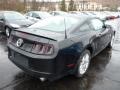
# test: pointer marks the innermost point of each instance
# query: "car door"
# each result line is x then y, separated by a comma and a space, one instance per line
1, 22
101, 34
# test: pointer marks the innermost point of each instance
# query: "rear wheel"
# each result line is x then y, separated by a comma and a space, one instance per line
83, 63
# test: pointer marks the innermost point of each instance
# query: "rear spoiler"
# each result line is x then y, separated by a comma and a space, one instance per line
26, 35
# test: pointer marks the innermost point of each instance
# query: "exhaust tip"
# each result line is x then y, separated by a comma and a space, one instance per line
43, 79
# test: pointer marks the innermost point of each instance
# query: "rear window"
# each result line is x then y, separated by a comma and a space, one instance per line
56, 24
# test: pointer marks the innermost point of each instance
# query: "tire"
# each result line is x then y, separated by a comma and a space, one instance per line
7, 31
83, 63
110, 45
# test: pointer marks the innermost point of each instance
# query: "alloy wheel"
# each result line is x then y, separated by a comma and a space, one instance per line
112, 41
84, 64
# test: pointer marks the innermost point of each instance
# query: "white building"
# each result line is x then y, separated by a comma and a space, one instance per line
82, 5
118, 9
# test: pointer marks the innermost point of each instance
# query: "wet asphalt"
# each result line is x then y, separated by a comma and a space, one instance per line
103, 74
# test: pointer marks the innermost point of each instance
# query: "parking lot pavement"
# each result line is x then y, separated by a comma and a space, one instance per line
103, 74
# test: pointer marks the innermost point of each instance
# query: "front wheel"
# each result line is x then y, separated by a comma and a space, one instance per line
83, 63
110, 45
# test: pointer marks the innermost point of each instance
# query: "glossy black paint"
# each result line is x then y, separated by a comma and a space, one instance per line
67, 51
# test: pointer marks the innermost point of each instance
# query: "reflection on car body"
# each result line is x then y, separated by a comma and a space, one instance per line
59, 46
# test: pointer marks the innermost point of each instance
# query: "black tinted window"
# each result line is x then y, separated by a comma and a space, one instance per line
35, 15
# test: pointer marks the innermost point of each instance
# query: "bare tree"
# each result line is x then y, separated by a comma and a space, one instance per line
3, 4
25, 4
34, 5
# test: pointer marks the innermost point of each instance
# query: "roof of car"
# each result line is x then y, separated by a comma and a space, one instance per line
79, 16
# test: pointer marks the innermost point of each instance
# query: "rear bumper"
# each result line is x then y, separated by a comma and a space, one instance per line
51, 68
35, 67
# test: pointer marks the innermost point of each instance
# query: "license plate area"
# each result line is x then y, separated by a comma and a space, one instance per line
20, 59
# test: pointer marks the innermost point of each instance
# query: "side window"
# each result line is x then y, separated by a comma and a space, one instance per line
55, 13
97, 24
84, 27
52, 13
35, 15
29, 14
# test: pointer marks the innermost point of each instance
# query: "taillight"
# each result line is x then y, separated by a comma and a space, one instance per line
40, 48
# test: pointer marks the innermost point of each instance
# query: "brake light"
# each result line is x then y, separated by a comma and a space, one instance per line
40, 48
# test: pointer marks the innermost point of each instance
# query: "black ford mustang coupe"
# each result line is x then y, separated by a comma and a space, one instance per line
59, 46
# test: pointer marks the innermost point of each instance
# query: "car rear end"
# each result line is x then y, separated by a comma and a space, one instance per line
34, 54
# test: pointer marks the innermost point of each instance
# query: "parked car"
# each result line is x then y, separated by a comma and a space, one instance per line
77, 13
12, 20
56, 13
112, 15
90, 13
37, 15
104, 15
58, 46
